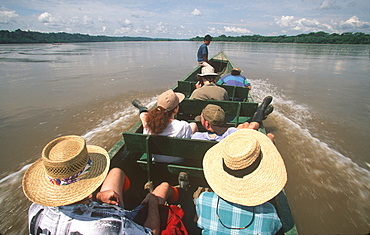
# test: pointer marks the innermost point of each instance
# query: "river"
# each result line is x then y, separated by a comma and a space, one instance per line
321, 116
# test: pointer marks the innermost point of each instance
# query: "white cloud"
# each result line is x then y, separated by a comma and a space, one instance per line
45, 17
7, 16
236, 30
305, 25
161, 28
354, 23
329, 5
288, 23
196, 12
55, 22
126, 23
285, 21
87, 21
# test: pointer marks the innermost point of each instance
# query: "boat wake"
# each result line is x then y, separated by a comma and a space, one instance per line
317, 172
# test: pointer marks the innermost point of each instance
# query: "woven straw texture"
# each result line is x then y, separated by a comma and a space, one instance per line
37, 187
239, 150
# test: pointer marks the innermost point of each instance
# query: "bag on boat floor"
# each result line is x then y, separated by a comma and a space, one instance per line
170, 219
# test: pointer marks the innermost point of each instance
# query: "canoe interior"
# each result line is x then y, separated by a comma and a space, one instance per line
127, 161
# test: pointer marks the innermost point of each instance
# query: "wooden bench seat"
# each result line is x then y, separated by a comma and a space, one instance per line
235, 112
191, 150
235, 92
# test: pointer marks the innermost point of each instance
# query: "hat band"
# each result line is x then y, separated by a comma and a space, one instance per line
72, 179
243, 172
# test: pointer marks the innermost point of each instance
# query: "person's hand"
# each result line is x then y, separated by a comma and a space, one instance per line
249, 87
150, 199
108, 196
198, 85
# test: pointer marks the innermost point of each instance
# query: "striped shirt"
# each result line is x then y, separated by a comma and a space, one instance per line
234, 80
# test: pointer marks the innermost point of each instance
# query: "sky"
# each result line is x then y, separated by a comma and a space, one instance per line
183, 19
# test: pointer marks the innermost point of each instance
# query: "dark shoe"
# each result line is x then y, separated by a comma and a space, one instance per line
260, 112
268, 110
138, 105
183, 181
266, 101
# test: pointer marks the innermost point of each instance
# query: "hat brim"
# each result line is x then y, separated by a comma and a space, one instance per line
38, 189
256, 188
180, 96
207, 74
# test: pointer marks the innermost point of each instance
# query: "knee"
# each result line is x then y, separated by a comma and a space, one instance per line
247, 125
117, 172
164, 186
254, 126
271, 137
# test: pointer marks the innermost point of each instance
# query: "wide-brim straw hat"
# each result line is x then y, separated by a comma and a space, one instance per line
208, 71
245, 168
63, 158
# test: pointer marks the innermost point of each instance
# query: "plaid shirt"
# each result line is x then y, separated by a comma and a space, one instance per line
232, 215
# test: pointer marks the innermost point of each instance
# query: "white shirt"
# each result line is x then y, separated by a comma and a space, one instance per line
176, 128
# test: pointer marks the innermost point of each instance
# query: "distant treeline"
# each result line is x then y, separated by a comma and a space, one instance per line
19, 36
318, 37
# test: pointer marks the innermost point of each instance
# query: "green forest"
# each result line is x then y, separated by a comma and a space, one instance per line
20, 36
314, 37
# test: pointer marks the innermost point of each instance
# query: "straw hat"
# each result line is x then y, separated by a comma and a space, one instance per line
67, 172
245, 168
170, 99
208, 71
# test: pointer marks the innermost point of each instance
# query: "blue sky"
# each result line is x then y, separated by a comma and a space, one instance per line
186, 18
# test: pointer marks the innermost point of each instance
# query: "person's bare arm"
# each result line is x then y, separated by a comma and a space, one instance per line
205, 57
109, 196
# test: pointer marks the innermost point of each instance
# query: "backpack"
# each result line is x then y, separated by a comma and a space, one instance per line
170, 219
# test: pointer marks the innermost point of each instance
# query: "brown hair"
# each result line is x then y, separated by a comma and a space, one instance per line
158, 119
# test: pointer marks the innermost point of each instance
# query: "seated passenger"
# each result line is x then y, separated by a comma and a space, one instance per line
212, 119
161, 121
206, 88
234, 79
244, 171
61, 185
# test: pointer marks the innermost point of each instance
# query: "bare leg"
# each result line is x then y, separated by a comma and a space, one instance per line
163, 191
115, 181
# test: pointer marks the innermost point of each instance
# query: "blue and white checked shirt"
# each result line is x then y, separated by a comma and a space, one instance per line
266, 220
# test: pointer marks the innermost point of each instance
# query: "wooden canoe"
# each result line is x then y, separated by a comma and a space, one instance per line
131, 151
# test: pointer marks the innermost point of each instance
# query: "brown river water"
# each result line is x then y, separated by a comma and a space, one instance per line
321, 118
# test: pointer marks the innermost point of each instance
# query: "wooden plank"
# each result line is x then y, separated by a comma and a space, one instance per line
190, 106
163, 145
177, 147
